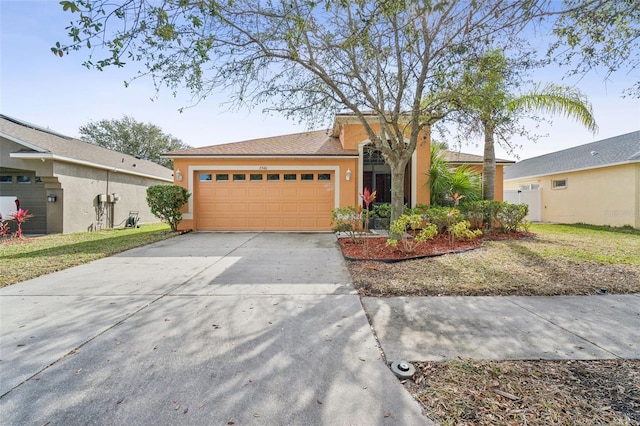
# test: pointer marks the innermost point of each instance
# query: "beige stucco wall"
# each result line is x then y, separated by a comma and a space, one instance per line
80, 186
41, 168
605, 196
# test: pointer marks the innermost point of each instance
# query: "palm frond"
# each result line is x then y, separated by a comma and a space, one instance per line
558, 100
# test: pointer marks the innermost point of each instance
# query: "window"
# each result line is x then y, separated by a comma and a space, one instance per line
559, 183
306, 176
239, 177
6, 179
372, 157
23, 179
324, 176
529, 186
38, 179
289, 177
222, 177
273, 176
205, 177
255, 176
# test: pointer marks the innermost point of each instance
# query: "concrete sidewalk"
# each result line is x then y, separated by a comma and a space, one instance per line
245, 329
507, 328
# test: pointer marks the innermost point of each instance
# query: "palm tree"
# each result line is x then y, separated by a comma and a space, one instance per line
444, 180
489, 107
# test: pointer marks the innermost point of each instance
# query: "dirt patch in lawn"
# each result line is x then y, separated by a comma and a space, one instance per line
467, 392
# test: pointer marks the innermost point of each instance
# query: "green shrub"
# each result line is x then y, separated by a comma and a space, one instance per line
511, 216
414, 222
442, 217
492, 216
166, 201
382, 210
349, 220
461, 231
475, 213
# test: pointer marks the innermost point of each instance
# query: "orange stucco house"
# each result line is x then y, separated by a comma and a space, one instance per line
290, 182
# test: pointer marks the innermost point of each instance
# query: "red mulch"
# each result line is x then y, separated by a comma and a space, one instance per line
375, 248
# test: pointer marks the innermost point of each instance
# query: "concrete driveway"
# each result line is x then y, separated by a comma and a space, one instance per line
208, 328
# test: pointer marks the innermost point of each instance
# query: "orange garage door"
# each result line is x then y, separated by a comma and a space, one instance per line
264, 201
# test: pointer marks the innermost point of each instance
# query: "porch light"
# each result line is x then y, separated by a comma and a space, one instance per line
51, 198
348, 174
179, 175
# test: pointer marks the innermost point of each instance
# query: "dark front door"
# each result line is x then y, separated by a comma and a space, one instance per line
383, 188
379, 182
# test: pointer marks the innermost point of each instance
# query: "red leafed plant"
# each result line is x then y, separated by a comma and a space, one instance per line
367, 198
4, 228
19, 218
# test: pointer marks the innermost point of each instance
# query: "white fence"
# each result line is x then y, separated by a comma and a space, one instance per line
530, 197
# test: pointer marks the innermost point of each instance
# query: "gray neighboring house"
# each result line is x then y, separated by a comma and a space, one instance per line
596, 183
71, 185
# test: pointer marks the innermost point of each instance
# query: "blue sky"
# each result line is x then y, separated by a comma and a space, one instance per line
59, 93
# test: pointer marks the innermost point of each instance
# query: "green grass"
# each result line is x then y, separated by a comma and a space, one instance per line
602, 244
26, 258
558, 260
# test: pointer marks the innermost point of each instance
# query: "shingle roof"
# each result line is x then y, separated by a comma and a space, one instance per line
616, 150
37, 140
314, 143
455, 157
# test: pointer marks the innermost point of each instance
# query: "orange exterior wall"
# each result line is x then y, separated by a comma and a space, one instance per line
498, 194
352, 134
348, 189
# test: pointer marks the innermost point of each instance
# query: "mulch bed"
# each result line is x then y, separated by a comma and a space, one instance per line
375, 248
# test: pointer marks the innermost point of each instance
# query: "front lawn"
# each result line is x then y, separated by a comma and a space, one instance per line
30, 257
559, 260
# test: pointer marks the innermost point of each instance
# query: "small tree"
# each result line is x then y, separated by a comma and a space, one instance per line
166, 201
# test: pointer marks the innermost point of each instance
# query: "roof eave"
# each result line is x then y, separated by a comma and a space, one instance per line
174, 156
460, 162
23, 143
602, 166
50, 156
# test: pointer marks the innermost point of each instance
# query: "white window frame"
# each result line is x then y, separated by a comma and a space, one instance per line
554, 183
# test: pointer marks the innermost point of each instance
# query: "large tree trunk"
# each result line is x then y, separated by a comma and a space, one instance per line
397, 188
489, 163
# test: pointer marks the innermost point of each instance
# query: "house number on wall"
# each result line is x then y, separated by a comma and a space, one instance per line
263, 168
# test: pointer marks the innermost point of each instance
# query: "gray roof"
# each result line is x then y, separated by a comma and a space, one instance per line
607, 152
44, 142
